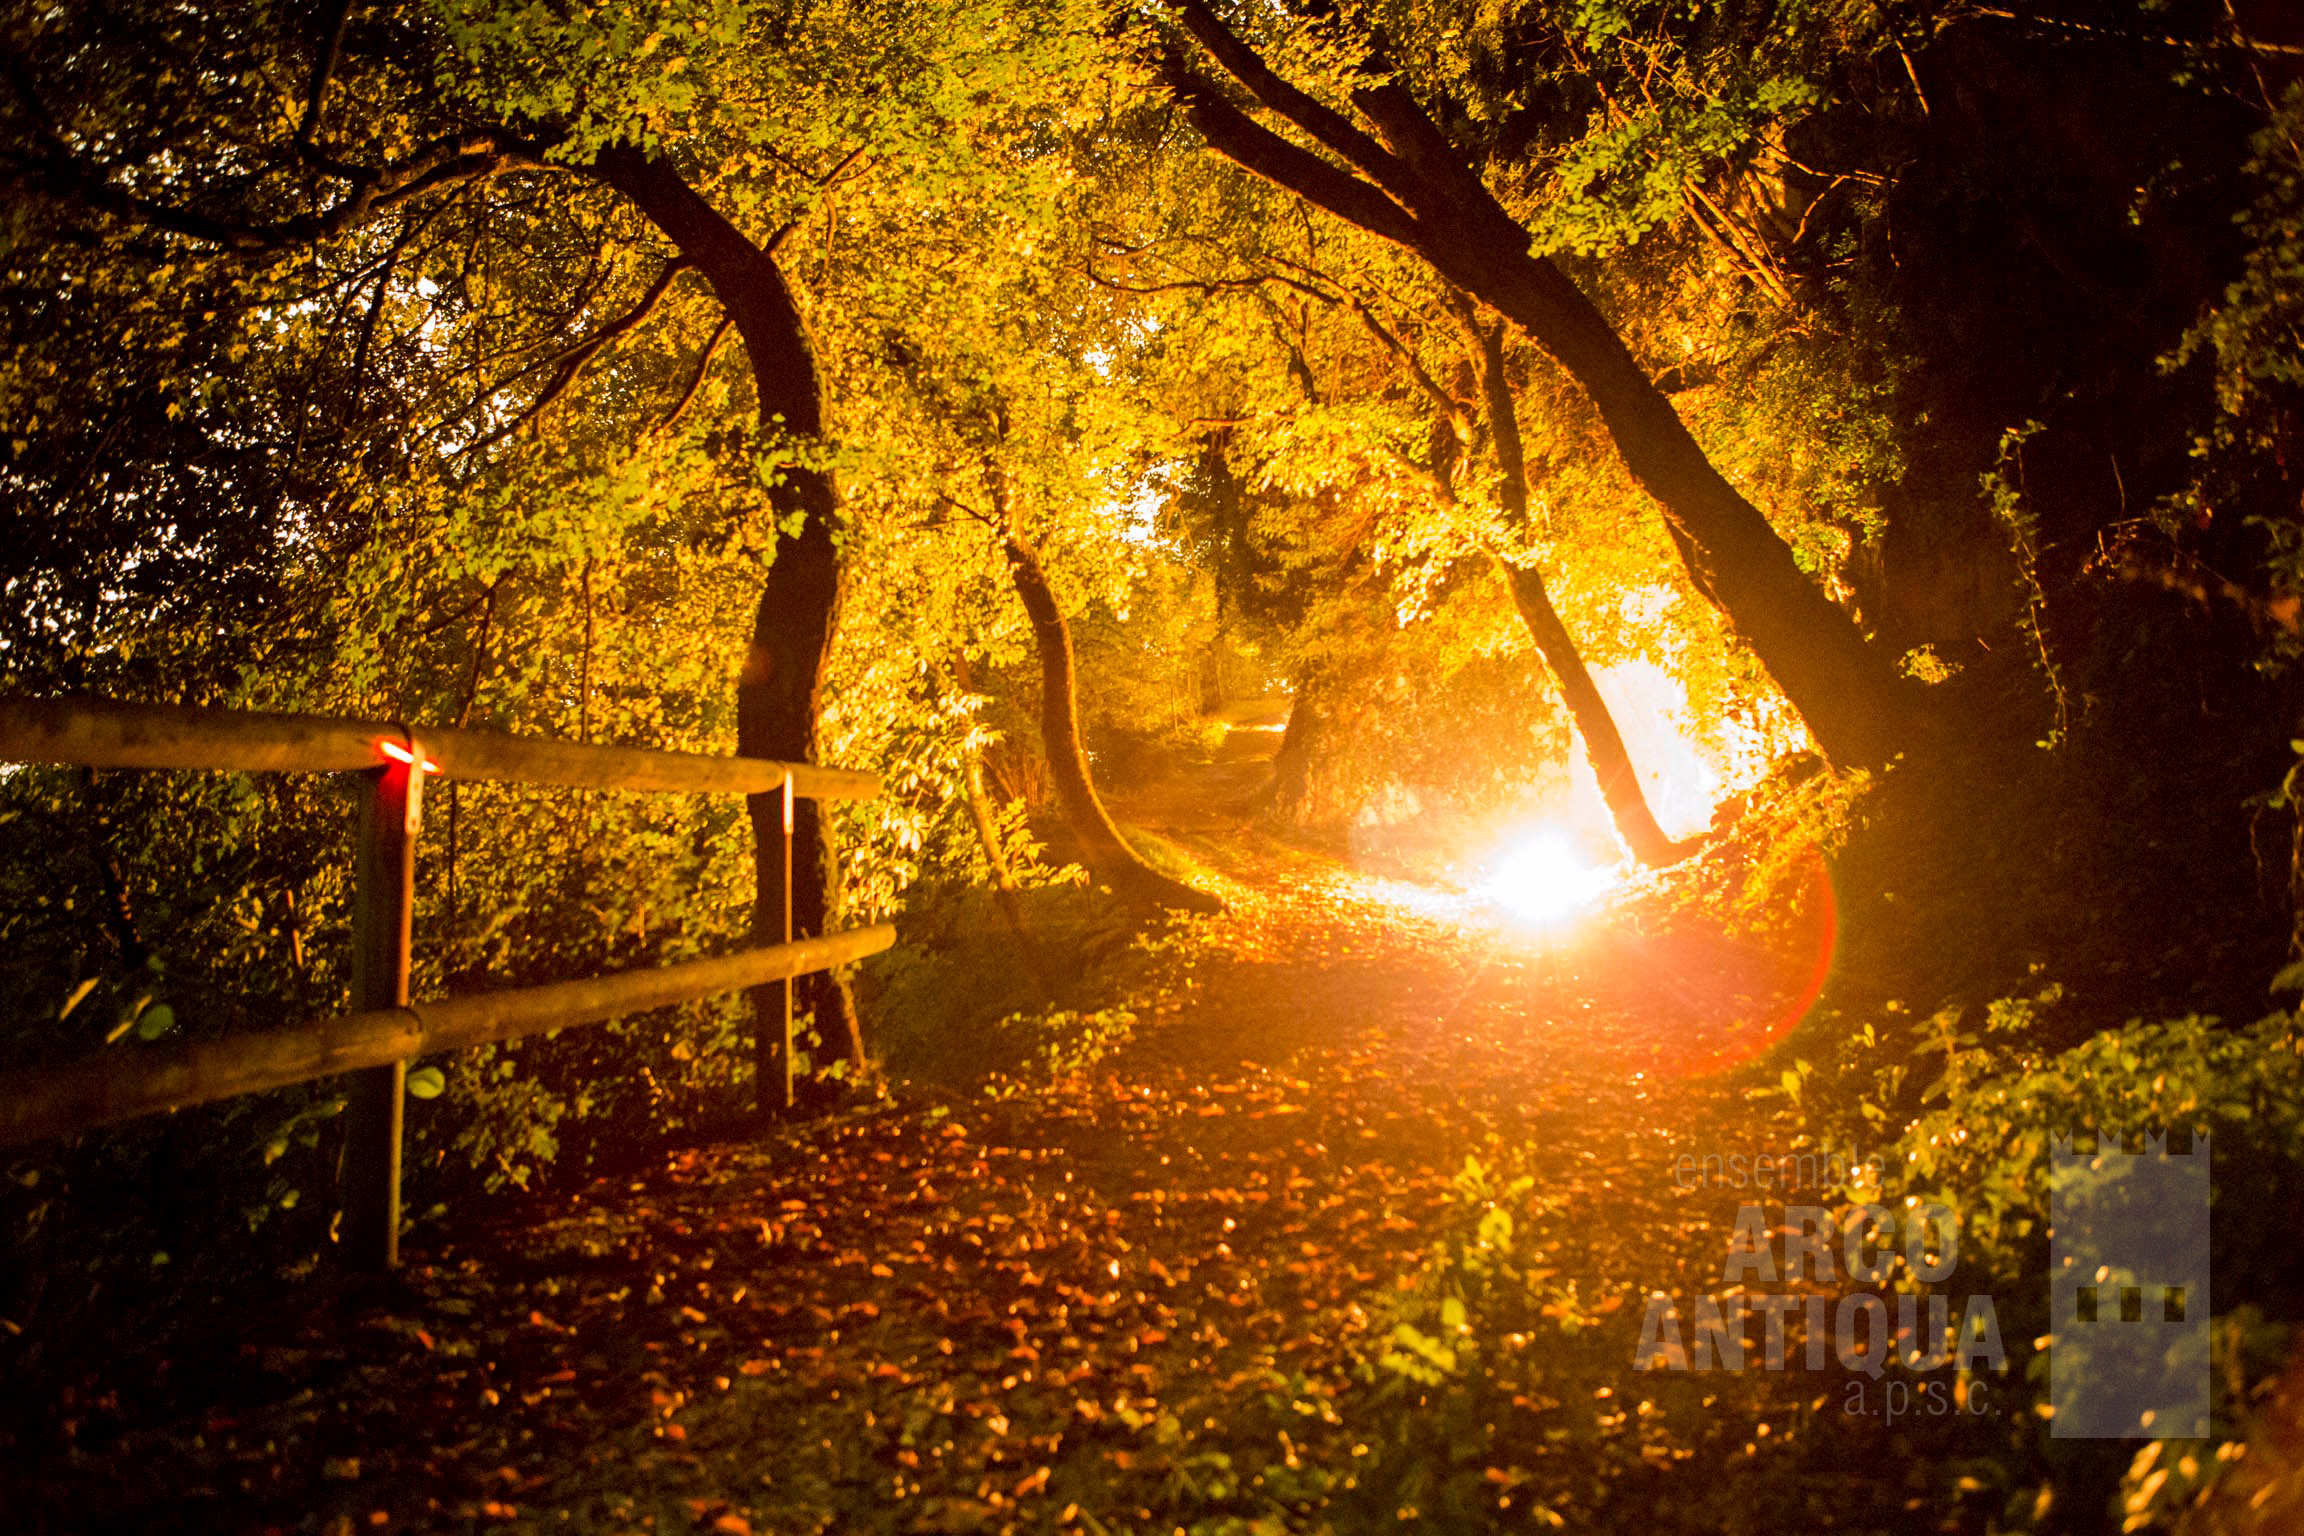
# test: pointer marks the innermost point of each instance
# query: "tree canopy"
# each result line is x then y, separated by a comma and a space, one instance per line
1739, 433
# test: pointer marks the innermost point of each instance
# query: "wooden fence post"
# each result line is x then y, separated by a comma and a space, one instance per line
776, 923
383, 910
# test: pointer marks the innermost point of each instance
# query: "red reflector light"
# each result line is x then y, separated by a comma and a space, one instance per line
400, 754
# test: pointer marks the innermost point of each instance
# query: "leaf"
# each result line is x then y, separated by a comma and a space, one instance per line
155, 1021
426, 1083
80, 993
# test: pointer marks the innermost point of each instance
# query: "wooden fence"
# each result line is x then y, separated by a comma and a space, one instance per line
376, 1041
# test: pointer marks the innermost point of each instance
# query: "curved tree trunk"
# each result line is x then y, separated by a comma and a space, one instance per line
778, 687
1845, 691
1105, 851
1414, 189
1595, 725
1603, 744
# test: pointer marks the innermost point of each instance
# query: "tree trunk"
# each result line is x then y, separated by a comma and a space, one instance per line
1844, 690
1603, 743
779, 685
1415, 190
1102, 848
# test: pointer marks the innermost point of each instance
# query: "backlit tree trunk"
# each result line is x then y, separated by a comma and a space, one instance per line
778, 687
1595, 725
1603, 745
1291, 793
1414, 189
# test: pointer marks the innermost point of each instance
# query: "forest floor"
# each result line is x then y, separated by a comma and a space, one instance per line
1215, 1281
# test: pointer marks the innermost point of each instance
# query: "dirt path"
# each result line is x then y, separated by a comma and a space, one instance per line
1152, 1296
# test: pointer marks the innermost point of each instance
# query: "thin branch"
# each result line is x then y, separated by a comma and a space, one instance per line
2236, 40
571, 363
584, 677
965, 510
1744, 250
1211, 286
480, 650
450, 160
323, 70
1459, 423
703, 367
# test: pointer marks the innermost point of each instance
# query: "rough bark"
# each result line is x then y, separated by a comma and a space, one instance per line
779, 686
1102, 848
1595, 724
1415, 189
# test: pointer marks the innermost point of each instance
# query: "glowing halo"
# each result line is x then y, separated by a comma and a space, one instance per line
1797, 979
1543, 880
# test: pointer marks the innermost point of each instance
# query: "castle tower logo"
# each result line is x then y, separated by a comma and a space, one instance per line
2128, 1357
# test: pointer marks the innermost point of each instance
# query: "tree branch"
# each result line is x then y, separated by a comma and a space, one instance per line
452, 159
749, 284
703, 367
1503, 422
1316, 118
1257, 149
323, 70
1453, 409
571, 363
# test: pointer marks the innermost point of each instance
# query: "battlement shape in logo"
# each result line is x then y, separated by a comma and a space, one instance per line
2128, 1289
2061, 1149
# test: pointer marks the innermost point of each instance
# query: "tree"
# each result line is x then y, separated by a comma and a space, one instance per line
1415, 189
1101, 844
1425, 389
1595, 725
779, 680
779, 686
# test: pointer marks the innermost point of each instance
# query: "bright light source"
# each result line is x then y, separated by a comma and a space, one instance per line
1544, 879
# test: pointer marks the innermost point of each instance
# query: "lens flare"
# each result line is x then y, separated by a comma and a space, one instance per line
1545, 880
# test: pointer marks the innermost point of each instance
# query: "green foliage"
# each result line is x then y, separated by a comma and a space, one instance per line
965, 1000
2250, 342
2255, 337
2005, 494
1985, 1151
1632, 174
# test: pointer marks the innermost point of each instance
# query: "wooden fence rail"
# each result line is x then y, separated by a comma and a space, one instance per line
101, 734
377, 1040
